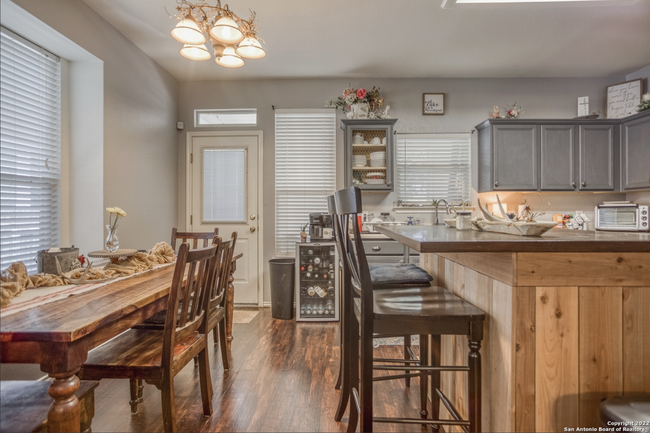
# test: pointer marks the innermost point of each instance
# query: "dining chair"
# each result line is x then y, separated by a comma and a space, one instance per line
155, 355
383, 276
195, 237
426, 311
217, 305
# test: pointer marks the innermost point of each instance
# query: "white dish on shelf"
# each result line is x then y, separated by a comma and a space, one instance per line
378, 163
377, 155
375, 181
375, 174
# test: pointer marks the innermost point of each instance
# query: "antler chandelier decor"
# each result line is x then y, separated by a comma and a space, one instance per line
232, 37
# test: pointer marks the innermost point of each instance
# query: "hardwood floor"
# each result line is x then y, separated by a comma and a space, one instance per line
281, 379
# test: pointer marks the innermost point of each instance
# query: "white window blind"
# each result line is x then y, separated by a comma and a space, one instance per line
305, 171
433, 166
30, 107
224, 185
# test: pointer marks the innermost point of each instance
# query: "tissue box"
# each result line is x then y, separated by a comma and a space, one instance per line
46, 262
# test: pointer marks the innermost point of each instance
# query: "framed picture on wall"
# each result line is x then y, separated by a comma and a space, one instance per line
433, 103
623, 98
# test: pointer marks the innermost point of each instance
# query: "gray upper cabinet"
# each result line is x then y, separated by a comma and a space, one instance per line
364, 166
515, 157
559, 155
557, 158
635, 152
597, 157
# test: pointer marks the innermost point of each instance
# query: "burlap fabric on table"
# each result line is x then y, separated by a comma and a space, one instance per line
15, 280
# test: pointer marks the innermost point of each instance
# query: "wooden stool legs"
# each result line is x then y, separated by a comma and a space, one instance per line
136, 394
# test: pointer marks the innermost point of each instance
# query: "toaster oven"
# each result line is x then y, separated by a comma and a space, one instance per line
629, 217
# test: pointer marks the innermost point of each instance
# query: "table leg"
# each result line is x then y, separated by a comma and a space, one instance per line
65, 413
230, 304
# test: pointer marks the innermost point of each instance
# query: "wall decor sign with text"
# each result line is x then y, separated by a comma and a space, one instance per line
623, 98
433, 103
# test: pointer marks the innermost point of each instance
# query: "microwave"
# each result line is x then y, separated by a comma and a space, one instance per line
628, 217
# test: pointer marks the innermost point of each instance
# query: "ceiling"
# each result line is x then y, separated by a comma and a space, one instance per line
406, 39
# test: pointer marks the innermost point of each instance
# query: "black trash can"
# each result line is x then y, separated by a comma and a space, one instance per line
282, 290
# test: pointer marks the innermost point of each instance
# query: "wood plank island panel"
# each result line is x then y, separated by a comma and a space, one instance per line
569, 346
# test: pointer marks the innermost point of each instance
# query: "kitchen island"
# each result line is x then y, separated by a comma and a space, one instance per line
568, 319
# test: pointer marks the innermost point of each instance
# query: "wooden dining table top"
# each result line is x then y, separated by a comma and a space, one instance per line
77, 316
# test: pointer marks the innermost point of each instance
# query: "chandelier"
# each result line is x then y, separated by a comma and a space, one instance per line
232, 37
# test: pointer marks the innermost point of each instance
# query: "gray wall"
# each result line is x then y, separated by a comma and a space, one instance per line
468, 102
644, 74
140, 110
139, 142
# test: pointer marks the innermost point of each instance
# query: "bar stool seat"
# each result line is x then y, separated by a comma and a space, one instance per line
397, 275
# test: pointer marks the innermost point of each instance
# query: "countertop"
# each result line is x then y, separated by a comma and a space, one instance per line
443, 239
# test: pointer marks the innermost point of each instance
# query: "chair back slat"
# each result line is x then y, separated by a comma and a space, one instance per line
218, 294
194, 237
186, 305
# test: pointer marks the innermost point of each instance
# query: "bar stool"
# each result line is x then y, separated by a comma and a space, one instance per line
383, 276
427, 311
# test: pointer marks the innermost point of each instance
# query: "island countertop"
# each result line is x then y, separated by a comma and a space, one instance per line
443, 239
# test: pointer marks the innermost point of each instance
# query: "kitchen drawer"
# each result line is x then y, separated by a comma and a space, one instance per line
375, 247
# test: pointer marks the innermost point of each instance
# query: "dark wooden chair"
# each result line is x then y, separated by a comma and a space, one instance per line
24, 405
422, 279
425, 311
194, 237
156, 356
217, 306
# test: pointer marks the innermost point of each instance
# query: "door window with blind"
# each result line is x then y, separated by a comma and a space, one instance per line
305, 171
433, 166
30, 103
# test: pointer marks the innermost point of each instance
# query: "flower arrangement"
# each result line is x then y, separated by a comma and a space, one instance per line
645, 103
514, 111
352, 96
118, 213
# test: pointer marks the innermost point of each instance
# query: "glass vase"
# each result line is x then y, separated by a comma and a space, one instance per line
112, 243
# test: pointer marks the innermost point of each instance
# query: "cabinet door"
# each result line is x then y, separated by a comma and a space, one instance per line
369, 161
515, 157
597, 157
635, 153
557, 156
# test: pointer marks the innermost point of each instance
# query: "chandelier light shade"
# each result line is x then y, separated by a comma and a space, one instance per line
188, 32
232, 37
229, 58
195, 52
250, 48
226, 30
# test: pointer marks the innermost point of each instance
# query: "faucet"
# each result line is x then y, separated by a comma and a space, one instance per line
436, 222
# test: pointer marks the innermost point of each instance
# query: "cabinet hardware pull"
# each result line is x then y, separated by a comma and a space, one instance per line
573, 184
584, 183
376, 248
496, 183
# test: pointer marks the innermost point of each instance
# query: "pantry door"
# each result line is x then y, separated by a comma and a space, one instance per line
224, 172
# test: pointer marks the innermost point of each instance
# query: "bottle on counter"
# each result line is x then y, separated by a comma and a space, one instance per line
463, 220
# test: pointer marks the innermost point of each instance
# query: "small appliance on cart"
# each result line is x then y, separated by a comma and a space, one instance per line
317, 282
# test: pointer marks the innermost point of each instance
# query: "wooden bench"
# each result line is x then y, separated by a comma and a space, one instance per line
24, 405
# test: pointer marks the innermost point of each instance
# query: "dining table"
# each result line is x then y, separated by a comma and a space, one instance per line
59, 335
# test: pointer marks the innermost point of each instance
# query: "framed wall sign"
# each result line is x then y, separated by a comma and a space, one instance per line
433, 103
623, 98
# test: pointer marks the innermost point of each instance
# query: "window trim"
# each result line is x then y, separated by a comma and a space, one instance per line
198, 112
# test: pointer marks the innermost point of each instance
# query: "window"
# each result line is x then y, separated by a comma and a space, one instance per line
30, 103
224, 185
433, 166
305, 171
211, 118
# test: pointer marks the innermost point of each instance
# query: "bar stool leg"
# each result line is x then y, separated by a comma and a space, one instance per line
474, 385
424, 376
353, 371
407, 356
435, 379
366, 373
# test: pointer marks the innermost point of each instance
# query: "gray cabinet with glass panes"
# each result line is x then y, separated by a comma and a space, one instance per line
369, 153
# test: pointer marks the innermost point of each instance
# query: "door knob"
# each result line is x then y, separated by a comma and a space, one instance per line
252, 229
253, 217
